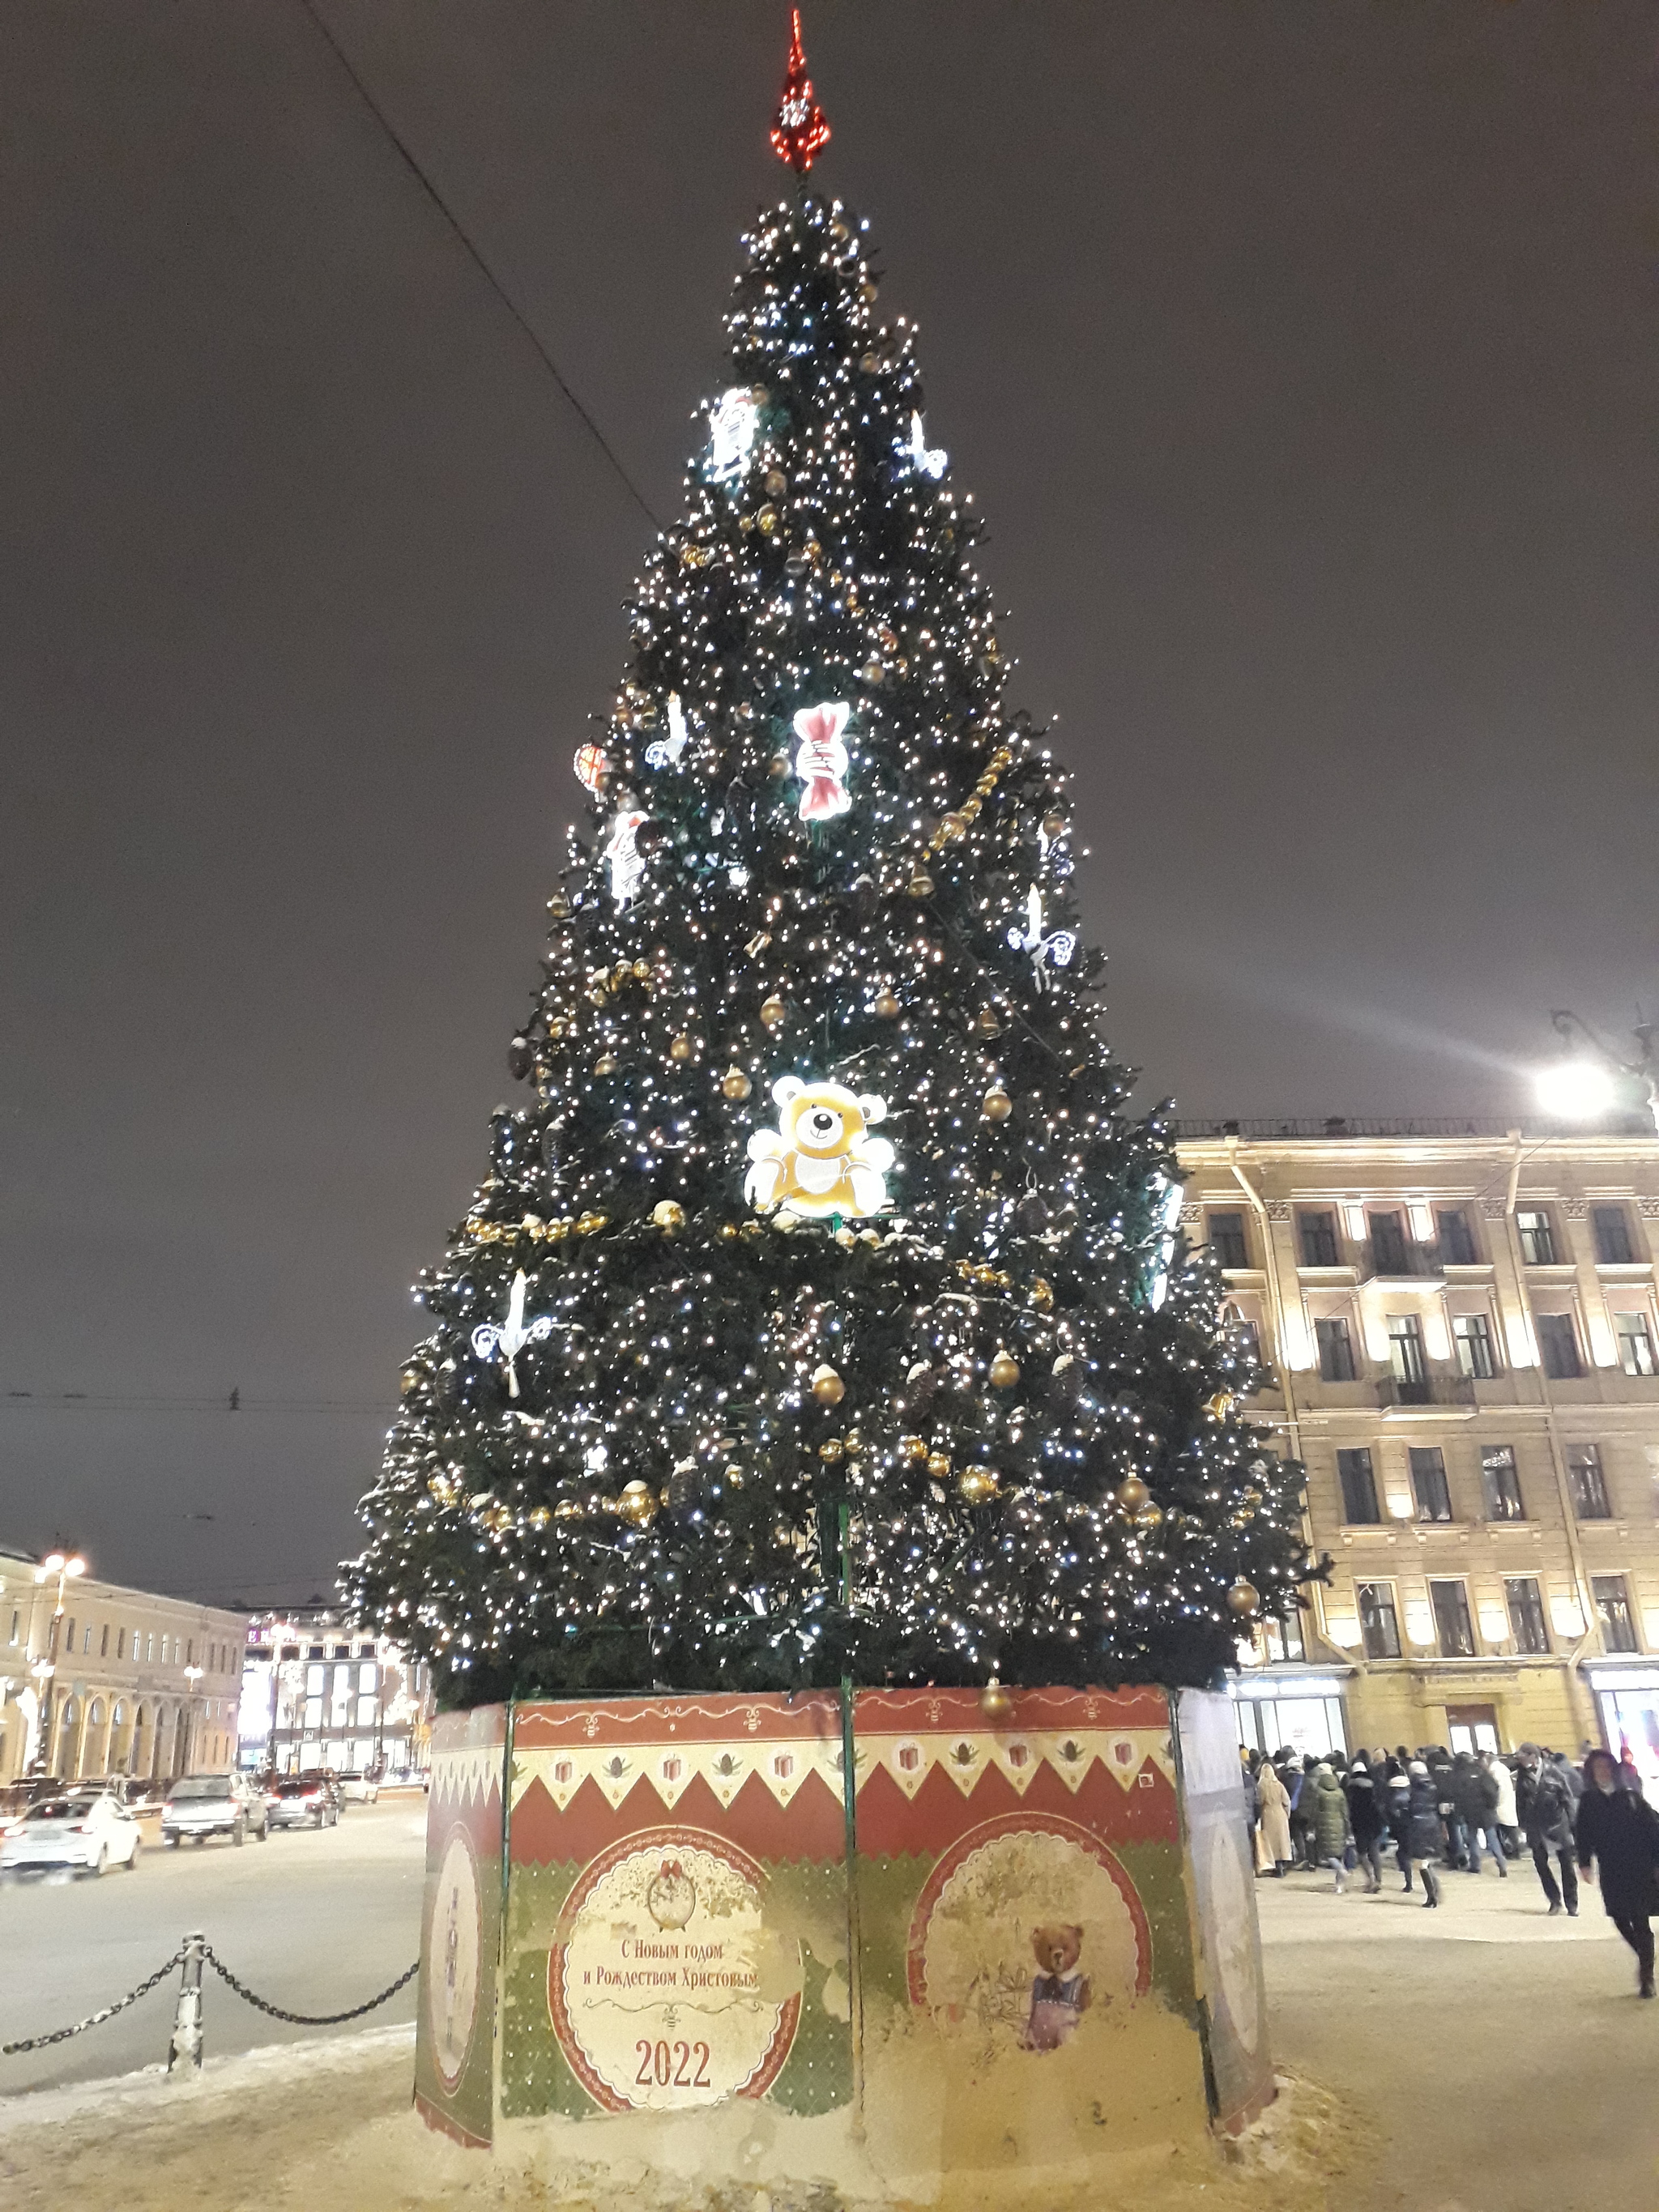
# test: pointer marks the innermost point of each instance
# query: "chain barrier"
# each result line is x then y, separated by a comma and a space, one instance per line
306, 2018
95, 2019
182, 1957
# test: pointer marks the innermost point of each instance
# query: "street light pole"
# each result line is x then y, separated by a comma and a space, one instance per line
1578, 1088
193, 1675
67, 1566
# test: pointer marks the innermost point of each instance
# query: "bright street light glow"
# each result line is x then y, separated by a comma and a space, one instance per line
1575, 1089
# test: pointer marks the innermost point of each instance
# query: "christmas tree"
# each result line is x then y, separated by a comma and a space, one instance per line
822, 1313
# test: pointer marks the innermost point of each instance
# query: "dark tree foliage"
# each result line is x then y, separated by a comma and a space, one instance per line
763, 1418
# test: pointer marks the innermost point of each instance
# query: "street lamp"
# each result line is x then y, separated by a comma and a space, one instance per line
1591, 1079
67, 1566
193, 1675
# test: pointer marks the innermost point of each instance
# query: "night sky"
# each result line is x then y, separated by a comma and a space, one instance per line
1300, 357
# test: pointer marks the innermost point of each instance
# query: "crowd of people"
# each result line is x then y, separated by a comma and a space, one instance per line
1442, 1812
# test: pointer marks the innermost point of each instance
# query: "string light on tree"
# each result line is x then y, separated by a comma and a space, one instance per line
867, 1342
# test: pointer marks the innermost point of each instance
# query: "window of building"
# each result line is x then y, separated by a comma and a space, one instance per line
1501, 1484
1358, 1481
343, 1651
314, 1651
103, 1641
1429, 1484
315, 1680
68, 1637
150, 1645
1456, 1238
1472, 1333
1335, 1349
1388, 1244
1379, 1623
290, 1652
1317, 1232
1453, 1628
121, 1643
1249, 1335
1537, 1237
1611, 1230
190, 1653
1635, 1343
1612, 1597
365, 1713
1557, 1347
1406, 1360
1527, 1623
16, 1624
1281, 1640
1587, 1483
1227, 1244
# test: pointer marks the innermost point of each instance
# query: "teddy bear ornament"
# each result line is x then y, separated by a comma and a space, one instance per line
821, 1159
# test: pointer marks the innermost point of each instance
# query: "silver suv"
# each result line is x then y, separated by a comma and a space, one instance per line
203, 1805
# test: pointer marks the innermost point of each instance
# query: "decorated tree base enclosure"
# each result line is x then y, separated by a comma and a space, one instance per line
655, 1949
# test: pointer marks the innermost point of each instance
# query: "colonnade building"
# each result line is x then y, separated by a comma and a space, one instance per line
1458, 1340
130, 1683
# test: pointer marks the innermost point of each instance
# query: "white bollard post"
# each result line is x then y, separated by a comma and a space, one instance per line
184, 2051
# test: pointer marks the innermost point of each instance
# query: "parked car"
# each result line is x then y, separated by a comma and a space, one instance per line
71, 1829
203, 1805
16, 1797
125, 1789
359, 1789
303, 1801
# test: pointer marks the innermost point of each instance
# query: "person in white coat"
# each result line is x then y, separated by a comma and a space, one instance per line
1503, 1781
1272, 1835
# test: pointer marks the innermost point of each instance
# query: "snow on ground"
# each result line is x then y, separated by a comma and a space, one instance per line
327, 2126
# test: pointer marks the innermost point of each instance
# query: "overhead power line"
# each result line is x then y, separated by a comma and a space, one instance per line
132, 1402
483, 268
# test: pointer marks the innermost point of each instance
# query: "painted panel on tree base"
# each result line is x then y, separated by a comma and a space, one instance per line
460, 1928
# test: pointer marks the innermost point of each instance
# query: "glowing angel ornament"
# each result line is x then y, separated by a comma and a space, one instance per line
926, 460
509, 1337
732, 423
1053, 951
821, 762
664, 752
622, 854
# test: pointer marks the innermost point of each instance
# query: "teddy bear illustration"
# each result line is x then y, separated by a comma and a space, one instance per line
820, 1160
1060, 1995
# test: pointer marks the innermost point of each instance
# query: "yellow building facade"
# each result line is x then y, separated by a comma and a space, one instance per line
126, 1682
1460, 1341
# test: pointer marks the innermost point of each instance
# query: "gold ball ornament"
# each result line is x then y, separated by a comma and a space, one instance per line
589, 1225
1243, 1597
1132, 1494
1005, 1371
1221, 1405
767, 520
1054, 825
681, 1048
1150, 1515
886, 1006
409, 1380
997, 1105
734, 1083
978, 1485
774, 1013
637, 1504
996, 1702
605, 1063
950, 827
669, 1214
827, 1386
1042, 1294
914, 1448
830, 1450
938, 1465
776, 483
778, 765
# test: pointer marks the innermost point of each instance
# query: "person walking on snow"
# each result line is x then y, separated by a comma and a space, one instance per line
1274, 1830
1544, 1800
1330, 1820
1619, 1832
1503, 1782
1367, 1820
1483, 1799
1421, 1834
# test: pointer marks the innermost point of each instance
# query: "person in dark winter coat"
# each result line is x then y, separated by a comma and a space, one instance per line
1467, 1811
1368, 1819
1621, 1832
1543, 1799
1330, 1820
1422, 1838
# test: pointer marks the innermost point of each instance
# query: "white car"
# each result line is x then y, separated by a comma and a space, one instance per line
74, 1830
